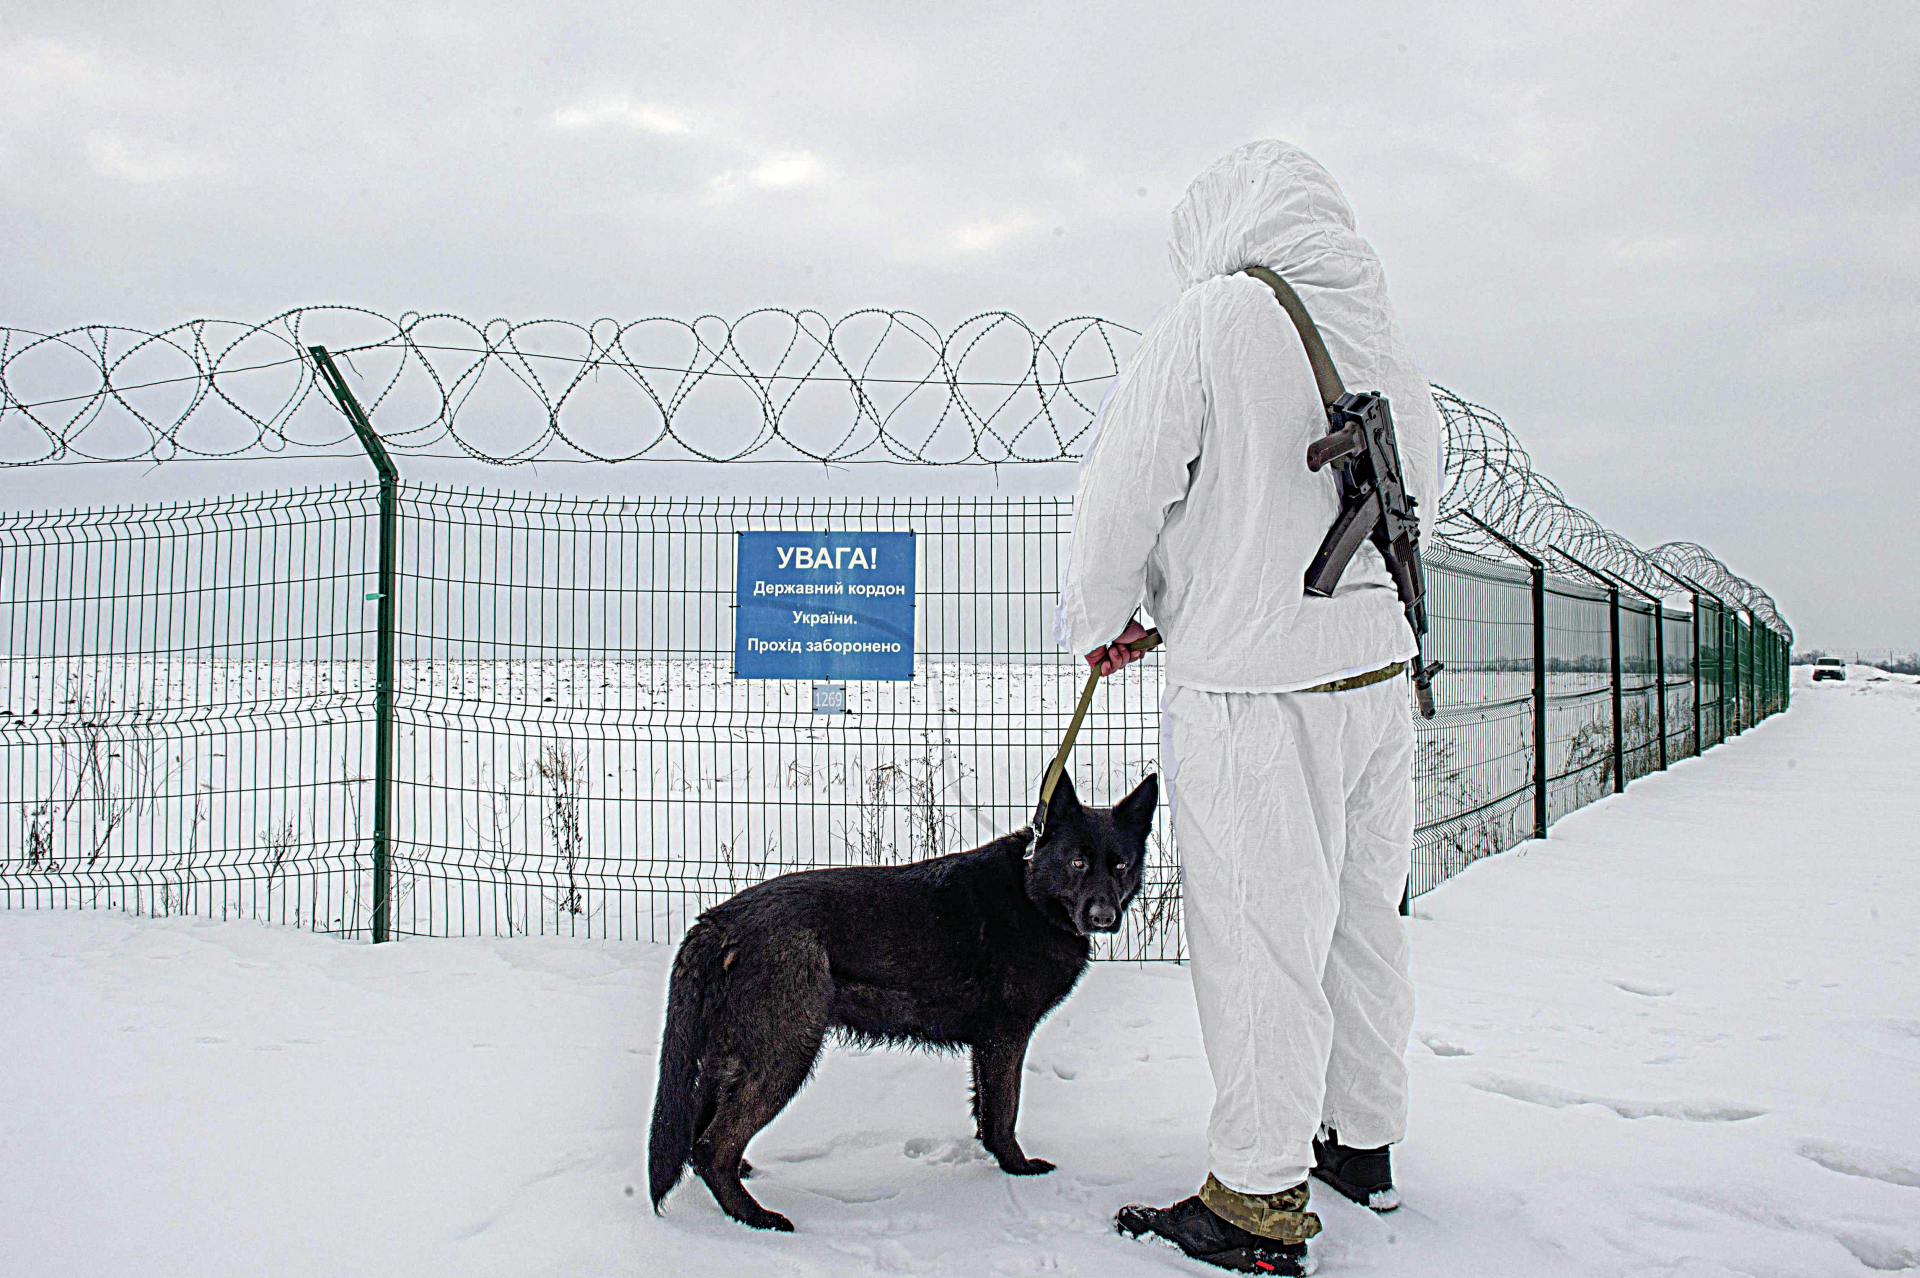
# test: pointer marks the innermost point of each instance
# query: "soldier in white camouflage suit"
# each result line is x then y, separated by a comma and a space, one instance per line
1287, 737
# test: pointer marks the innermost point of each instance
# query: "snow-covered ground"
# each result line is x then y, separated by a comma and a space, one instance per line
1680, 1037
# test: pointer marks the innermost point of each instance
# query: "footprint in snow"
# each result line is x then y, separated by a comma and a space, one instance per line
889, 1256
806, 1153
1692, 1111
1103, 1179
1442, 1047
1877, 1250
1862, 1161
944, 1153
1066, 1073
854, 1197
1645, 989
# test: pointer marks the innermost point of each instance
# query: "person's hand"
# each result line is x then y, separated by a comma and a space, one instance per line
1116, 655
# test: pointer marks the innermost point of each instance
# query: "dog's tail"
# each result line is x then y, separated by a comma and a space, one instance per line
694, 996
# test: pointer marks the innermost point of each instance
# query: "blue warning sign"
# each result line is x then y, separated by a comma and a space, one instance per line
824, 605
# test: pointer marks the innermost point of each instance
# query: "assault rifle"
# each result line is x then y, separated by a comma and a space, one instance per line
1374, 503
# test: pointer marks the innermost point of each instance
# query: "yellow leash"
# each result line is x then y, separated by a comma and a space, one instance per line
1144, 644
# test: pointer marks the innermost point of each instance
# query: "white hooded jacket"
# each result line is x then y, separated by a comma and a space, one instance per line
1195, 496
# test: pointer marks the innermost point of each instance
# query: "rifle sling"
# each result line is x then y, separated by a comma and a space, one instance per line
1325, 375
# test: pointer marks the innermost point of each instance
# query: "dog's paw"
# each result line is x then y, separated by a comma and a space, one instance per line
1025, 1166
764, 1219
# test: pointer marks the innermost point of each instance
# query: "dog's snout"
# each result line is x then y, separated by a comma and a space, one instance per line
1102, 915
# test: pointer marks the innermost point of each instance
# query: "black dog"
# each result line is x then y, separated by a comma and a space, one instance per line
971, 949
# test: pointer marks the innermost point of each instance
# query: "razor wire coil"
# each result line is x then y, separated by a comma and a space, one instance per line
875, 385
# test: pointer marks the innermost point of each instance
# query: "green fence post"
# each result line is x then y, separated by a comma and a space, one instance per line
1660, 675
1619, 728
1613, 637
384, 627
1538, 568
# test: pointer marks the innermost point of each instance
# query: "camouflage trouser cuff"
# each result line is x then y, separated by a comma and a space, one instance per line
1282, 1217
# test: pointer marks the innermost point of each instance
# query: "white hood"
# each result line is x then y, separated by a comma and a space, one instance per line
1267, 204
1271, 204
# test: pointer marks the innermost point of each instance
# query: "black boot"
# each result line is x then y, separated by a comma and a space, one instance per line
1194, 1229
1364, 1175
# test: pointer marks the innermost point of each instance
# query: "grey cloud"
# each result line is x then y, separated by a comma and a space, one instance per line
1674, 245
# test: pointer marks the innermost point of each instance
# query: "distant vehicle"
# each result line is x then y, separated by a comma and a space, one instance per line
1829, 668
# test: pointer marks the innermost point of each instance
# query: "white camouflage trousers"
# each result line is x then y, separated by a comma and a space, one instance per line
1294, 816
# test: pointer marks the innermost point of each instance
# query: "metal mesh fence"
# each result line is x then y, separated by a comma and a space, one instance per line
576, 755
1474, 766
194, 697
571, 751
1580, 764
1750, 670
1639, 698
187, 711
186, 708
1680, 664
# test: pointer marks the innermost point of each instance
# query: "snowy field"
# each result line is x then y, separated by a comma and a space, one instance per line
1681, 1037
618, 798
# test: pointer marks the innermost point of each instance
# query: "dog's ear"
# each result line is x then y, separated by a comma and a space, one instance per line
1135, 812
1065, 804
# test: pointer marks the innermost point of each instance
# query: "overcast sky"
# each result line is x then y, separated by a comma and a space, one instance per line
1676, 246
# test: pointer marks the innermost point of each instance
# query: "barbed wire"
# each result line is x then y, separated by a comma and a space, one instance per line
771, 385
1491, 476
873, 385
